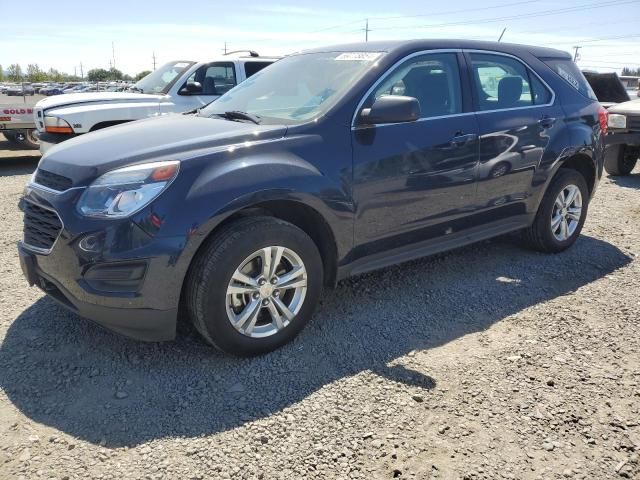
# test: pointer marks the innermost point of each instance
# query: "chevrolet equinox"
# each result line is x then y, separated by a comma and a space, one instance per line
328, 163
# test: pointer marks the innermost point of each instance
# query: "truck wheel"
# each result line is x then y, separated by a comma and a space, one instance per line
561, 213
27, 139
621, 159
254, 286
11, 137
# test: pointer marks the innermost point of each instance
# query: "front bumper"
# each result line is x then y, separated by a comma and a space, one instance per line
49, 140
139, 323
130, 283
623, 138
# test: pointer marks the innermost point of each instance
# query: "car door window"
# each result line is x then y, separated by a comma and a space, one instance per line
433, 79
251, 68
215, 78
504, 82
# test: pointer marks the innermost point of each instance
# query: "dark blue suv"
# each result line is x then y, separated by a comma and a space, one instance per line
326, 164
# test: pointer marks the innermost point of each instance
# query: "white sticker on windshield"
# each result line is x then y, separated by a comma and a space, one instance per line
181, 65
358, 56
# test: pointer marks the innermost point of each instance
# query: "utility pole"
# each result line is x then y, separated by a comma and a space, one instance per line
75, 73
154, 61
113, 54
225, 48
576, 56
502, 34
366, 31
81, 72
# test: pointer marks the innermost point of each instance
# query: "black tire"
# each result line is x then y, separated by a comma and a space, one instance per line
539, 235
11, 137
621, 159
211, 271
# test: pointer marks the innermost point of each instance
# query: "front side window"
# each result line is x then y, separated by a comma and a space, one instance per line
214, 78
504, 82
433, 79
297, 88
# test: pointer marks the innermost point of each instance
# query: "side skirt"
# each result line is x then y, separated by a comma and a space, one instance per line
432, 246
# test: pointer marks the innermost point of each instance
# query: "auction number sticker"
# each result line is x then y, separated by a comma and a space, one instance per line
358, 56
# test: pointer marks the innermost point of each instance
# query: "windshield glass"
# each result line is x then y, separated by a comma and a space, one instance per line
296, 88
161, 80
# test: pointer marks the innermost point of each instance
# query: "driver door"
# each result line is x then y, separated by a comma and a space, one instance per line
413, 180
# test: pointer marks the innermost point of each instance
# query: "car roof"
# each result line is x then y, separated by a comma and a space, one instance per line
397, 46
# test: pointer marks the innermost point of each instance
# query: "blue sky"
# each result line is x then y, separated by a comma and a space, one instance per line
63, 36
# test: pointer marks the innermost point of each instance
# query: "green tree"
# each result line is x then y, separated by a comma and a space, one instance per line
35, 74
115, 74
54, 75
15, 73
141, 75
98, 75
1, 74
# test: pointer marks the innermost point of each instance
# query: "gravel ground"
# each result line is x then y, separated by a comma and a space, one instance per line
487, 362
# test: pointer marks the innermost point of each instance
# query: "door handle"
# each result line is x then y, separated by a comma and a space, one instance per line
547, 122
461, 139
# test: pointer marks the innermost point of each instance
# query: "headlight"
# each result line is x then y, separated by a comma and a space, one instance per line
617, 121
124, 191
56, 125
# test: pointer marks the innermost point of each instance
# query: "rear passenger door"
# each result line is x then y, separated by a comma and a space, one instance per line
517, 120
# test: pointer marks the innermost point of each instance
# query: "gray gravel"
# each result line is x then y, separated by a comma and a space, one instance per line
488, 362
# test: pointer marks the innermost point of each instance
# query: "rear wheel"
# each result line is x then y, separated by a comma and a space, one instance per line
561, 213
254, 286
621, 160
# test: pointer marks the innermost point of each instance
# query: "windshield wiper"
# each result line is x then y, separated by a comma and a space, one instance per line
238, 115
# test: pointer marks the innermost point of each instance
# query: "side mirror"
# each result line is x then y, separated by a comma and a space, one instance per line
391, 109
191, 88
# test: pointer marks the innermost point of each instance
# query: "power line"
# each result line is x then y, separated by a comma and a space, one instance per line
541, 13
452, 12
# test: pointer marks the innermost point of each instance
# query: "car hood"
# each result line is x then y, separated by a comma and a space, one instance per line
84, 158
627, 108
95, 97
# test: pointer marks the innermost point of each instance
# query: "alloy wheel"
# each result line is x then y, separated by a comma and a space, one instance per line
566, 213
266, 291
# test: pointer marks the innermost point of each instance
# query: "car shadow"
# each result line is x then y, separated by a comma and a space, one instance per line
628, 181
15, 160
64, 372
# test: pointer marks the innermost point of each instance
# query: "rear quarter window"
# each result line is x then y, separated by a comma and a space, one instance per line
570, 73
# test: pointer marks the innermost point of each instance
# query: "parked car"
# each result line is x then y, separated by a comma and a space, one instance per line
174, 88
20, 90
623, 141
314, 169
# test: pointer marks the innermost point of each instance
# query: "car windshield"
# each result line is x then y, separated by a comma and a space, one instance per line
296, 88
161, 80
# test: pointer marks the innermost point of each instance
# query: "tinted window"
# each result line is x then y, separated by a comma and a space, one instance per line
434, 79
251, 68
571, 74
504, 82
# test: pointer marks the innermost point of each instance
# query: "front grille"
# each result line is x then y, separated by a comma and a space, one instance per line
41, 226
52, 180
633, 122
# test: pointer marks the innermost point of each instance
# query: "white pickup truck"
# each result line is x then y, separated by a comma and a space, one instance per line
16, 123
175, 87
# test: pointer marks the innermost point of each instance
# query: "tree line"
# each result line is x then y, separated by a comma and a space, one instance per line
34, 73
631, 72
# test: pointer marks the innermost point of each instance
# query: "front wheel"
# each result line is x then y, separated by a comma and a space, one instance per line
561, 213
621, 160
254, 286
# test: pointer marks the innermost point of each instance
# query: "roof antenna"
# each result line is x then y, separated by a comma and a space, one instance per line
502, 34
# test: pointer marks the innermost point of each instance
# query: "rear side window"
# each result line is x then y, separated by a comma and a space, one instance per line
251, 68
504, 82
571, 74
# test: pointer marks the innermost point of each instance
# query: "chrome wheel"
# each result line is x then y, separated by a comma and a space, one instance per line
566, 213
266, 291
